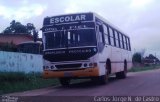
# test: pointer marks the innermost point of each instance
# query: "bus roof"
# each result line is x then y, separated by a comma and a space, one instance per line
70, 14
108, 23
94, 16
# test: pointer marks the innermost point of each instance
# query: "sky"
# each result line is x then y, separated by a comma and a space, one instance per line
140, 19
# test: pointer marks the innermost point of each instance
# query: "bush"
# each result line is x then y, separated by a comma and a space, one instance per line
8, 47
12, 76
137, 58
19, 81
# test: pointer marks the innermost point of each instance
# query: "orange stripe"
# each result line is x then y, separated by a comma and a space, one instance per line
88, 72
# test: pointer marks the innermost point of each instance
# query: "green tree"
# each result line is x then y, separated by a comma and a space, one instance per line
7, 30
30, 28
152, 57
35, 35
137, 58
17, 27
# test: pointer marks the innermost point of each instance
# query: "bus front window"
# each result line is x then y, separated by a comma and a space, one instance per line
71, 38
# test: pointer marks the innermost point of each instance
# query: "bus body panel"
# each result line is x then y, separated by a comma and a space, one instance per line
83, 73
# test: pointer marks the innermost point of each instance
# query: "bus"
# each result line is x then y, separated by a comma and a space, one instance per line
84, 45
30, 47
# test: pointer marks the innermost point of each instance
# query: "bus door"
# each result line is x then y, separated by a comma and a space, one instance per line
100, 37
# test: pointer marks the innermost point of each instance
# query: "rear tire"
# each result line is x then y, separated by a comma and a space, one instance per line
64, 81
108, 67
122, 74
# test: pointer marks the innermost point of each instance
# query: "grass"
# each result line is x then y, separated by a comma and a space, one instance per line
144, 68
18, 81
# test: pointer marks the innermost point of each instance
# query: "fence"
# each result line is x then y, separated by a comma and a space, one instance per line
20, 62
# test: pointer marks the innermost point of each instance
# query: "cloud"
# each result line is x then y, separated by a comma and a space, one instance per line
137, 18
80, 6
23, 12
137, 4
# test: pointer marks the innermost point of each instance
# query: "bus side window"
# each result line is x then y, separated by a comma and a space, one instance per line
106, 39
111, 36
114, 37
119, 40
125, 42
109, 40
129, 44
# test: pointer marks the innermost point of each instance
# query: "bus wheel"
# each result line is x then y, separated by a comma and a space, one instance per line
108, 67
122, 74
64, 81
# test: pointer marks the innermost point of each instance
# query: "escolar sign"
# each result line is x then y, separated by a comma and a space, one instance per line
67, 19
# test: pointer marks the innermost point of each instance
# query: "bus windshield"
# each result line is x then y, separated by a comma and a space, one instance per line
70, 38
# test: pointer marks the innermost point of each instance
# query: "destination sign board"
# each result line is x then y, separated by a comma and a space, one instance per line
55, 28
68, 18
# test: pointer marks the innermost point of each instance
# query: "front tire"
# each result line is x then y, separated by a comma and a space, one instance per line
100, 79
103, 79
64, 81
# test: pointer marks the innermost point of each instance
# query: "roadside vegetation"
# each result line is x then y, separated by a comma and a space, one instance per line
144, 68
18, 81
141, 63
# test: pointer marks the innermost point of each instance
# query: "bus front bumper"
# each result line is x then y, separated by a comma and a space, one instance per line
88, 72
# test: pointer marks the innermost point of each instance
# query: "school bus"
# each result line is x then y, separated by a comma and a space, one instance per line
84, 45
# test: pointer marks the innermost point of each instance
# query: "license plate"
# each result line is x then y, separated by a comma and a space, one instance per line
68, 74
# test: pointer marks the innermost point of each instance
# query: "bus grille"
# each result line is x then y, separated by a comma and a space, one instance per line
63, 66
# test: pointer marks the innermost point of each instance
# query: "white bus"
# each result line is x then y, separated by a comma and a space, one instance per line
84, 45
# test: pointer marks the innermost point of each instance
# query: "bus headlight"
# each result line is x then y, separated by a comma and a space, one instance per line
47, 67
52, 67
